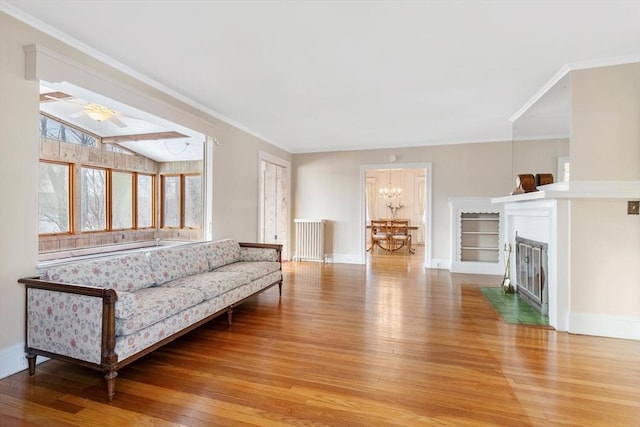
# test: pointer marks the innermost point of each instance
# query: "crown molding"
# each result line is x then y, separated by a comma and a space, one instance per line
47, 29
566, 69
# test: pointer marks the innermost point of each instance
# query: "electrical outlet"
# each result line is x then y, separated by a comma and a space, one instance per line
633, 207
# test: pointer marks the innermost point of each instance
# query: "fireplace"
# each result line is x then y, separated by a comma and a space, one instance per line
531, 268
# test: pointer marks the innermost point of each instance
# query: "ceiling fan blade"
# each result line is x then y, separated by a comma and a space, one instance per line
117, 122
62, 97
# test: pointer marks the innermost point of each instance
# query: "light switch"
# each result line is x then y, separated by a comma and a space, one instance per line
633, 207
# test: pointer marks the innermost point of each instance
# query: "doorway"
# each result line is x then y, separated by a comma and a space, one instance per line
274, 202
415, 203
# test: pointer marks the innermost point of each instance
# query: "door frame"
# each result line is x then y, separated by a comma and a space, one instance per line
263, 156
428, 233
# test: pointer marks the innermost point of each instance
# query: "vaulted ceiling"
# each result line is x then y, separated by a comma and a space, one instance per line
319, 76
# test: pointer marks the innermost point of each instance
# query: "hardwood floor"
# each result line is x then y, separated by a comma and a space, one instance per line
389, 343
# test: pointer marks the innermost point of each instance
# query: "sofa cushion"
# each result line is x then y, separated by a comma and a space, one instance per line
253, 269
211, 284
173, 263
156, 304
221, 252
123, 273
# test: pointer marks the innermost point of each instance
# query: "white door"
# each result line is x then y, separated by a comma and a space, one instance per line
274, 189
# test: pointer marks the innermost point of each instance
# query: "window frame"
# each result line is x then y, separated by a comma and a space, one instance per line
110, 199
107, 199
136, 199
70, 199
181, 198
74, 192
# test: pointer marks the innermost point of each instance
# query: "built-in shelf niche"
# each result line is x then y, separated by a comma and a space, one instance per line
479, 237
476, 236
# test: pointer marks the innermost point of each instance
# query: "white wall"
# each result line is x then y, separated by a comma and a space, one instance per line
235, 163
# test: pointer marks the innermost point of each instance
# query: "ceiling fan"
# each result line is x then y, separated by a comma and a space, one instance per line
100, 113
93, 110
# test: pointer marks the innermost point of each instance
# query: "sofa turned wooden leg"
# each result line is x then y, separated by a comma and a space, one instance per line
110, 378
229, 317
280, 288
31, 360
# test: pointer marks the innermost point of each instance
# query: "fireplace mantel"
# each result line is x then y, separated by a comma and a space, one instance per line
578, 190
546, 216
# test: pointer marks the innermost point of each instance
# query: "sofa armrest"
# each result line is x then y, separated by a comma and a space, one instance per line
70, 320
260, 252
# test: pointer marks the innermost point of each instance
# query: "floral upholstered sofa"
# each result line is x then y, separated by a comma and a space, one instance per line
105, 313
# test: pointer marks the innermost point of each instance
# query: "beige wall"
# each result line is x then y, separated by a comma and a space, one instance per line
235, 166
538, 156
605, 255
235, 187
327, 186
605, 123
19, 150
605, 145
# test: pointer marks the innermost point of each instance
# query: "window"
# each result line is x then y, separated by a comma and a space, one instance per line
145, 201
54, 198
121, 200
93, 199
171, 201
181, 201
192, 201
53, 129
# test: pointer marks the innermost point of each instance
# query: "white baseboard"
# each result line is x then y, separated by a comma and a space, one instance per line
12, 360
604, 325
477, 268
344, 259
440, 263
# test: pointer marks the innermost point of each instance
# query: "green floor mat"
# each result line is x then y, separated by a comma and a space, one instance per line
514, 309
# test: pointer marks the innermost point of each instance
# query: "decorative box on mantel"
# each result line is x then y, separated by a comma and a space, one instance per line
476, 236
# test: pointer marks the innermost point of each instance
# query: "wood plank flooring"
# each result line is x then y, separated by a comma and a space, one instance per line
387, 344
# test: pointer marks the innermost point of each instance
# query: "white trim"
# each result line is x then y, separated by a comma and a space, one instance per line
440, 264
270, 158
13, 360
61, 71
578, 190
562, 72
565, 70
605, 325
207, 188
458, 205
344, 259
428, 232
47, 29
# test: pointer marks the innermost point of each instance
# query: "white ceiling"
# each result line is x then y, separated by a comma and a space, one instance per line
319, 76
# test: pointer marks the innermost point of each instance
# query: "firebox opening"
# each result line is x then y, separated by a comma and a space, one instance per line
531, 268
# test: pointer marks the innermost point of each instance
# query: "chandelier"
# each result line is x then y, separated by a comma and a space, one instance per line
390, 193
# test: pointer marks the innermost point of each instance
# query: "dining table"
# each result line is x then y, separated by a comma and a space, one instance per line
389, 222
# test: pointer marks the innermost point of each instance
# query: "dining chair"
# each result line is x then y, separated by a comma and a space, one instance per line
399, 235
379, 233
